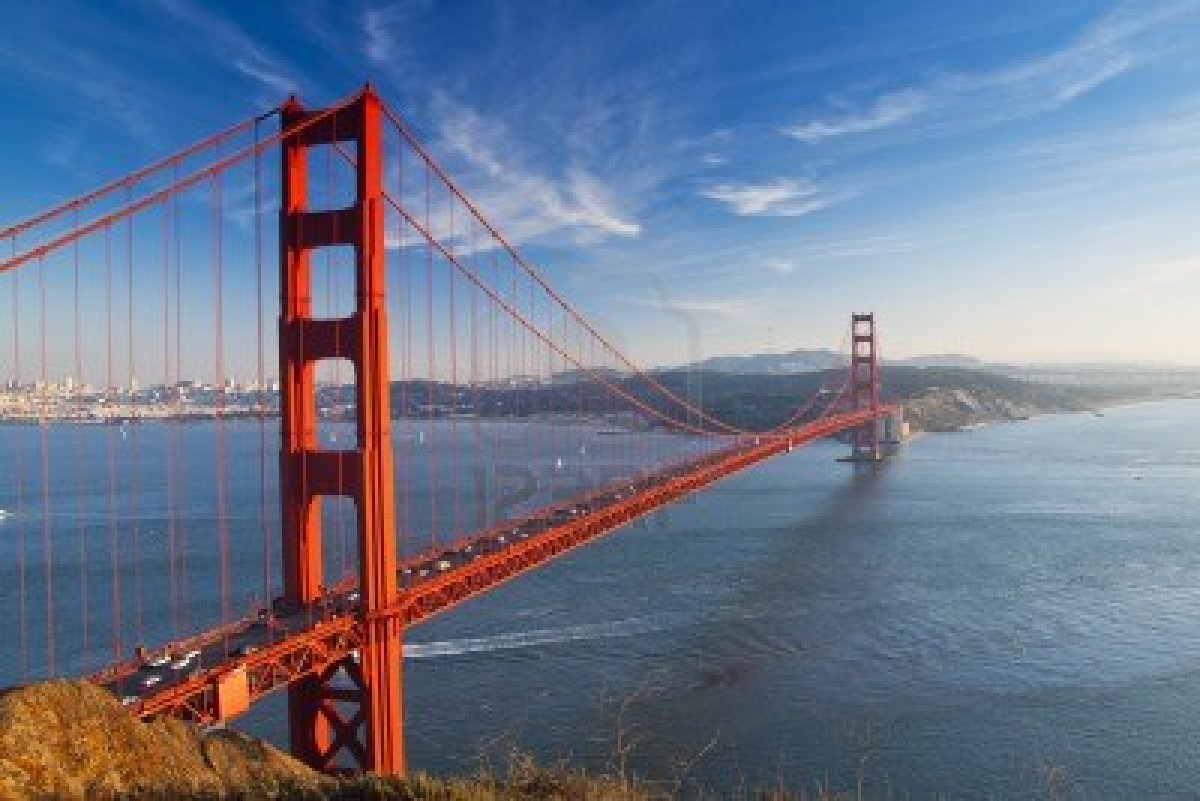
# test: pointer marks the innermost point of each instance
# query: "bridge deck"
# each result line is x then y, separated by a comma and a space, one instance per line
276, 650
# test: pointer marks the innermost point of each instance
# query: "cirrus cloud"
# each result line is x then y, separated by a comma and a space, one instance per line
779, 197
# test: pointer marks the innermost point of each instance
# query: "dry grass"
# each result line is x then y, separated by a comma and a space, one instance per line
72, 740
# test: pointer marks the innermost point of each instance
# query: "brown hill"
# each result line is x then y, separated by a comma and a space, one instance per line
71, 739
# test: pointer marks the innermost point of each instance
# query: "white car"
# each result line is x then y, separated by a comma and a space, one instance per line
443, 564
162, 660
181, 663
192, 654
130, 700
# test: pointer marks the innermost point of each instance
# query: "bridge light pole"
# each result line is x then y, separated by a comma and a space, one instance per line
319, 731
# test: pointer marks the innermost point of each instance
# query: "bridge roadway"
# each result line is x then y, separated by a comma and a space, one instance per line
215, 676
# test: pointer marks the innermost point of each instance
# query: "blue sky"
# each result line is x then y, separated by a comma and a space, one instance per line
1013, 180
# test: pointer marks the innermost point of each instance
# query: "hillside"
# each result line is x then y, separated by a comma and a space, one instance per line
72, 740
69, 739
935, 398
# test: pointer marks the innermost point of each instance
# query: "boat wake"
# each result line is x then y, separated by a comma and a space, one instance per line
535, 637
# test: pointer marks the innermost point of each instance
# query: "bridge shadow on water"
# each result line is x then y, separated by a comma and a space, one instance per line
738, 668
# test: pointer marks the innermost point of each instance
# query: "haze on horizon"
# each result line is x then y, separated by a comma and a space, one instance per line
1017, 183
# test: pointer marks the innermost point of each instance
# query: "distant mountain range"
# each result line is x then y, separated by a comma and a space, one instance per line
812, 360
808, 361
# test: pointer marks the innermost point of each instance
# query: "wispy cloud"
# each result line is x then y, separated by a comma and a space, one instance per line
781, 197
107, 93
720, 307
888, 110
243, 52
266, 75
379, 25
527, 202
957, 101
780, 266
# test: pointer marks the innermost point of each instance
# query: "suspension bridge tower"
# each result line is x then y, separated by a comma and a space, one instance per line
320, 727
864, 387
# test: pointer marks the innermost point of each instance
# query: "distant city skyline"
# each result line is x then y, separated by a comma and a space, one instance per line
1015, 182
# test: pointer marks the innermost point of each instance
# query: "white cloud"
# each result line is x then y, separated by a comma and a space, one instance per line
379, 35
888, 110
781, 197
229, 41
954, 102
267, 75
780, 266
526, 202
723, 307
1092, 79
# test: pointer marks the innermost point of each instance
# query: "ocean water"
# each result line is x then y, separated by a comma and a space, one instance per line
1008, 612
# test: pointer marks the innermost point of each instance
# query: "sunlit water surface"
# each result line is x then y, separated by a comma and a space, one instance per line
1005, 612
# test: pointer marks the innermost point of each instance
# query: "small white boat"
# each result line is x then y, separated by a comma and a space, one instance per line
558, 463
150, 681
5, 514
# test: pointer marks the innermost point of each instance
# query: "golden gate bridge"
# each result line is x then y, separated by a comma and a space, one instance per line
402, 311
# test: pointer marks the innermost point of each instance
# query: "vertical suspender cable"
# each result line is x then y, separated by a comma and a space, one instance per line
19, 460
81, 527
432, 398
110, 445
169, 441
135, 505
43, 425
478, 519
261, 376
177, 430
455, 456
408, 284
219, 364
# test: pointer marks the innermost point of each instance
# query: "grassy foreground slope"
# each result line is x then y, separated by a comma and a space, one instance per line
72, 740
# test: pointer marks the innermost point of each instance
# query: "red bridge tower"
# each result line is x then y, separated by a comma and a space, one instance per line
864, 386
319, 730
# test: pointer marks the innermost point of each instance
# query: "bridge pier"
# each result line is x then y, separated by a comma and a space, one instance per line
320, 732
